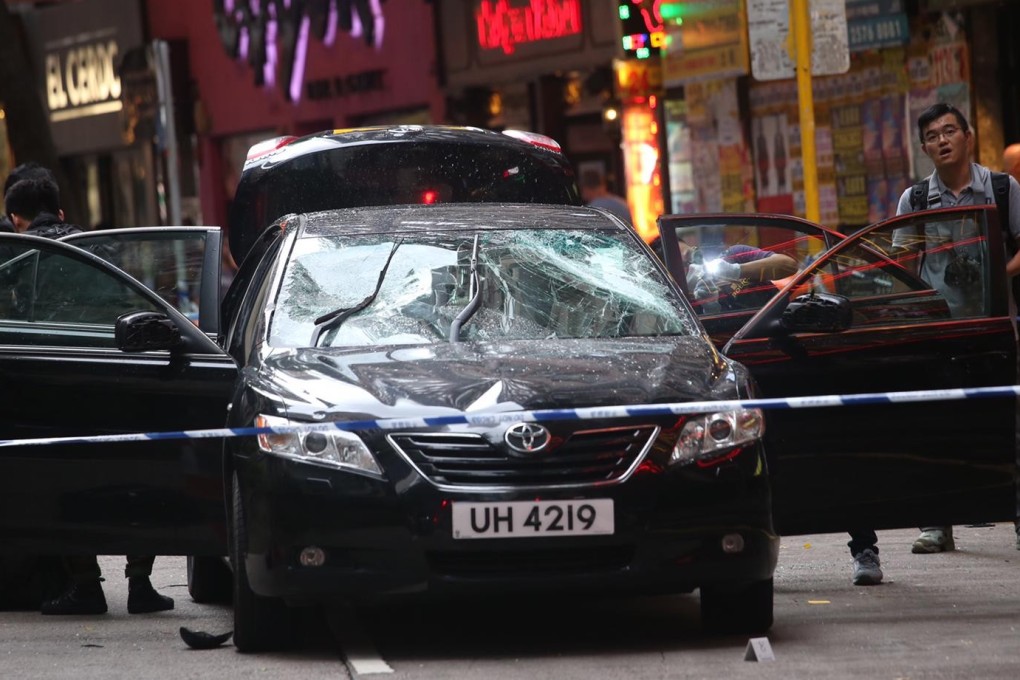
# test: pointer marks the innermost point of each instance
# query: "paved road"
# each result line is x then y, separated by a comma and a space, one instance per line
954, 615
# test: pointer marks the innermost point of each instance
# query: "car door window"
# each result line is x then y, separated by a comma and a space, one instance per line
180, 264
930, 267
730, 266
169, 262
51, 297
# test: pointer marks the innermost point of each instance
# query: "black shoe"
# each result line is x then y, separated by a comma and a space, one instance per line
80, 598
143, 598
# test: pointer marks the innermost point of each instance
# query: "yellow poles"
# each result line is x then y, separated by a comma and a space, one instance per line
800, 25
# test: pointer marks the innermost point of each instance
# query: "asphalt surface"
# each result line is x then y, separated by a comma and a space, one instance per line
953, 615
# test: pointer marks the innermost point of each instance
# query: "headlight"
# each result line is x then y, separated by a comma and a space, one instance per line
335, 448
709, 437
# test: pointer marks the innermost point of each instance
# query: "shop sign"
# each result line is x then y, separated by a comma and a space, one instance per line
345, 86
81, 51
272, 35
712, 48
874, 24
504, 26
83, 81
637, 78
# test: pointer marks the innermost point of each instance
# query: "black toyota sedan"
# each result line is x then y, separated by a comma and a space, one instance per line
427, 314
495, 371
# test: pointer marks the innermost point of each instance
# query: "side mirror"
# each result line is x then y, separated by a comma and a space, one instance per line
817, 313
146, 331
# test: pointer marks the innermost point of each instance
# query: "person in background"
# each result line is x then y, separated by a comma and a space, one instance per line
948, 141
33, 206
24, 171
597, 195
1011, 161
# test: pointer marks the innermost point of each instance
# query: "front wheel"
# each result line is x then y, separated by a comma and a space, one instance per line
260, 623
742, 609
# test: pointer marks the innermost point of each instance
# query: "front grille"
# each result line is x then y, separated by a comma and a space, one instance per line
524, 562
585, 458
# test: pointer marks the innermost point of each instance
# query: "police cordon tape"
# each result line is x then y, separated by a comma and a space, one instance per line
492, 419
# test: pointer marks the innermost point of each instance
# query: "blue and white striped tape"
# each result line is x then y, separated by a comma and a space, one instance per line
490, 419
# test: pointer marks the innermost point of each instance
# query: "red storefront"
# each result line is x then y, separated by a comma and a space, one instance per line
245, 71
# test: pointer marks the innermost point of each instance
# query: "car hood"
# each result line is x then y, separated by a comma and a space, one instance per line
452, 378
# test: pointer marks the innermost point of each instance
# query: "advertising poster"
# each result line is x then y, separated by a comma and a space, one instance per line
773, 154
851, 175
718, 148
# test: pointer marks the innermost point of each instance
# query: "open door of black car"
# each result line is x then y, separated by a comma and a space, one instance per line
86, 349
919, 302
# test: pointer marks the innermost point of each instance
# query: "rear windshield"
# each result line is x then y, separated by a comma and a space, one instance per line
398, 173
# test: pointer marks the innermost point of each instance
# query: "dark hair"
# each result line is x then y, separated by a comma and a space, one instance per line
29, 170
936, 111
30, 197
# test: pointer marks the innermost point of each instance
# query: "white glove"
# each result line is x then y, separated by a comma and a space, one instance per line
722, 269
696, 282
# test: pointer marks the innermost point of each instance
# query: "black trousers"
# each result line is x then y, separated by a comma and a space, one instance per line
85, 568
863, 539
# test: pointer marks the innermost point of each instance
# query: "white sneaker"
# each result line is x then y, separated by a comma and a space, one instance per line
934, 540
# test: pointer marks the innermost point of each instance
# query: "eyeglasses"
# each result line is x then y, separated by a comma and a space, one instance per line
934, 136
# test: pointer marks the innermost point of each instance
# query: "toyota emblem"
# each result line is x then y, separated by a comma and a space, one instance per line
526, 437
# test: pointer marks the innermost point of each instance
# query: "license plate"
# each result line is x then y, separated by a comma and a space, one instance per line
524, 519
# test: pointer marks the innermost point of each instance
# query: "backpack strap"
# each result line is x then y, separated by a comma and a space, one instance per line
1000, 190
919, 196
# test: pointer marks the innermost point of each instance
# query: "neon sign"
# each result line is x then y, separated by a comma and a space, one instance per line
274, 34
503, 26
643, 28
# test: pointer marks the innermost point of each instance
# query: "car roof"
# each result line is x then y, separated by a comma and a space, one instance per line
454, 217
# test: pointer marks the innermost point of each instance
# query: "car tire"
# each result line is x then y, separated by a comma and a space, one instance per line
210, 580
743, 609
260, 623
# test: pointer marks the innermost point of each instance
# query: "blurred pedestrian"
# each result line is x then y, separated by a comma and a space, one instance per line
1011, 161
597, 195
34, 208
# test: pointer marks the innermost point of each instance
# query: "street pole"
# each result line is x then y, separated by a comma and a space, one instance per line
800, 23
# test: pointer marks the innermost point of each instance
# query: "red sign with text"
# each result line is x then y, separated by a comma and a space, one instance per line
505, 25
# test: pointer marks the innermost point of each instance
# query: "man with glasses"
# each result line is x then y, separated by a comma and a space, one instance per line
949, 142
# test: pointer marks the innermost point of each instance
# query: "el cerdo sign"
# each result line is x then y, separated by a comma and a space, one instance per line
83, 81
80, 47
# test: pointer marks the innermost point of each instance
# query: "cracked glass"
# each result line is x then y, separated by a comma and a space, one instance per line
531, 284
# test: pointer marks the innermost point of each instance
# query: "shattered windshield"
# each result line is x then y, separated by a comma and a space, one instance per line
531, 284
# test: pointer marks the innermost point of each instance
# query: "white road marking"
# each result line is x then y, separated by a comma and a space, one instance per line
359, 652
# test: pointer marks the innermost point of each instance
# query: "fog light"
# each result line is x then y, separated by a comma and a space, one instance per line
732, 543
312, 557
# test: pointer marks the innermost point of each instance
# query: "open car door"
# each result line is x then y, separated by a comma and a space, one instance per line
919, 302
772, 246
86, 349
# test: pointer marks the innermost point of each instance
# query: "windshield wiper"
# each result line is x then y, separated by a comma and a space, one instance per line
333, 319
476, 297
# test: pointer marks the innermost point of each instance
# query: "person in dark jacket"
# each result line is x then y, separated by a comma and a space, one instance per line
33, 206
